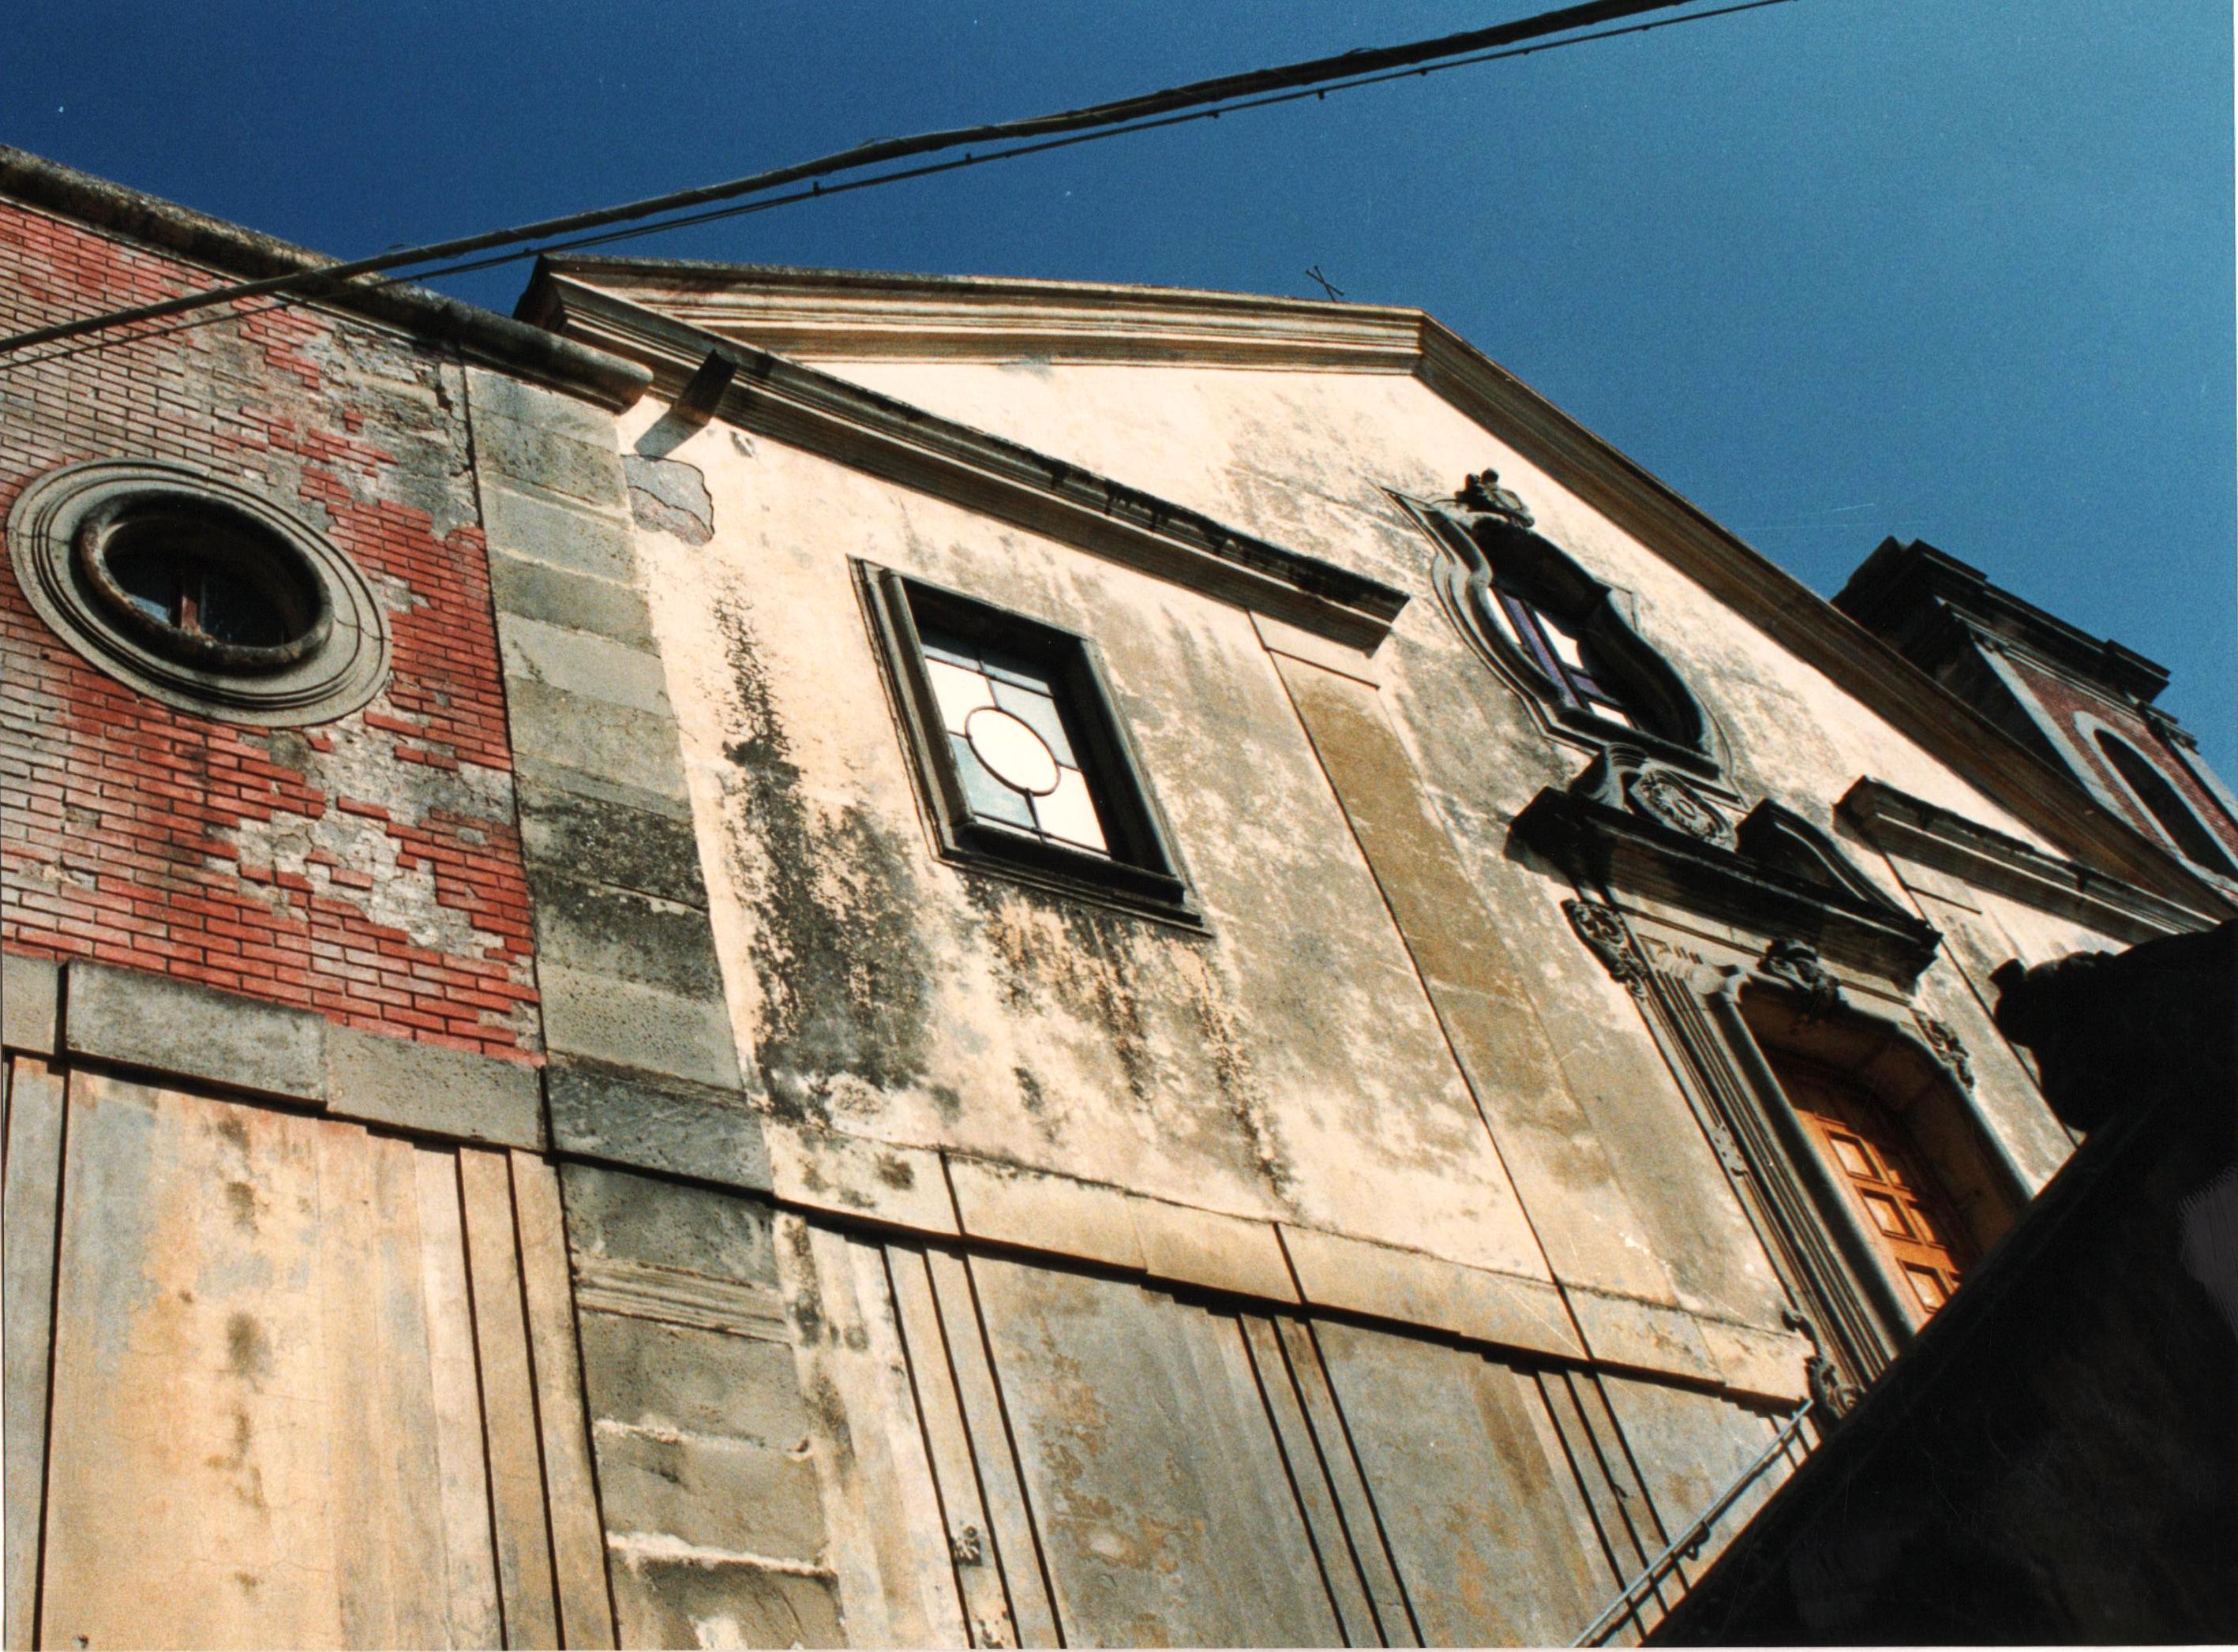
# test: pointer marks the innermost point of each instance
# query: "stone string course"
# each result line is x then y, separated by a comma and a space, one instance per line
367, 869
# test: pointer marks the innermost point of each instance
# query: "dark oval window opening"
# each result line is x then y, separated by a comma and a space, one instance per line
2165, 804
203, 583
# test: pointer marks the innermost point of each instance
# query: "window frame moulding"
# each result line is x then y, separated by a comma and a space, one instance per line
1741, 1003
2174, 816
1142, 875
1712, 1021
336, 667
1472, 542
1628, 824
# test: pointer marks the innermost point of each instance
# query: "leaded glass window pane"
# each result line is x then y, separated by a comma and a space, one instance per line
1006, 732
960, 688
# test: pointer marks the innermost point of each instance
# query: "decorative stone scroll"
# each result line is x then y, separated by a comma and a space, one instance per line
1797, 963
1949, 1049
1481, 494
1601, 929
1494, 554
1666, 798
1830, 1396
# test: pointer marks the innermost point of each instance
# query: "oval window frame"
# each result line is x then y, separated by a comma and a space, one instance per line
56, 533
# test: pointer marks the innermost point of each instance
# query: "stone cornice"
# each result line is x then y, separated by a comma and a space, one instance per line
858, 316
874, 315
1900, 591
1935, 836
1600, 843
815, 411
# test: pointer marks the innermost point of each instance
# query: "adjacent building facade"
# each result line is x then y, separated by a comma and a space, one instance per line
778, 956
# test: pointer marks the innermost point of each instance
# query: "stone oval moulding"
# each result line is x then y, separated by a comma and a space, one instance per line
333, 659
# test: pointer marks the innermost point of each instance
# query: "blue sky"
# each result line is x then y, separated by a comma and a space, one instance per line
1836, 269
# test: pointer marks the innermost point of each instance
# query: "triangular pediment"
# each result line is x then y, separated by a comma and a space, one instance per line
815, 317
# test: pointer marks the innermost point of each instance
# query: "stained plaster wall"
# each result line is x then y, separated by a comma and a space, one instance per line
366, 868
1304, 459
1322, 1055
1286, 1064
1619, 1180
1091, 1451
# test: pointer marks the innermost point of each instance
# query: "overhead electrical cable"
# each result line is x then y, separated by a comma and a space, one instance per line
1255, 88
903, 175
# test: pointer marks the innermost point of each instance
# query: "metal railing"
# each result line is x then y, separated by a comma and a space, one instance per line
1688, 1544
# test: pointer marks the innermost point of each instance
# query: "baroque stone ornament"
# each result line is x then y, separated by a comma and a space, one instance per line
1797, 963
1831, 1397
1601, 929
1948, 1048
1482, 493
1666, 798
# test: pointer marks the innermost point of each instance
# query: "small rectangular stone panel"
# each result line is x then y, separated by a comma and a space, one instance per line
1015, 1206
1151, 1465
1482, 1525
431, 1089
711, 1507
28, 1220
855, 1176
1336, 1272
1690, 1448
579, 1558
1647, 1336
557, 534
630, 1024
517, 1505
30, 1002
143, 1020
882, 1517
585, 602
627, 1116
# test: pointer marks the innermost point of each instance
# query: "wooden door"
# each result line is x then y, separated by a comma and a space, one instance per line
1905, 1209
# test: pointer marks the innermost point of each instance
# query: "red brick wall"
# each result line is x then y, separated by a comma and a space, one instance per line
2061, 700
367, 869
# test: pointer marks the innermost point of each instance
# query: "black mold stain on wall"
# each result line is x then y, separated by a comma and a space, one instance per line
1158, 1002
836, 946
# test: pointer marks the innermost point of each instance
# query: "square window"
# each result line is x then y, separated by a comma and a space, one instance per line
1025, 766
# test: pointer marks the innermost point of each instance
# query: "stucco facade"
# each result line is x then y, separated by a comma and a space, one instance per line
1394, 1231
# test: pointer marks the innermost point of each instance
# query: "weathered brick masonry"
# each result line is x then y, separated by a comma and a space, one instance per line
369, 869
2063, 700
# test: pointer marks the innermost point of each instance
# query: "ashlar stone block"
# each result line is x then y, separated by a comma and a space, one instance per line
176, 1027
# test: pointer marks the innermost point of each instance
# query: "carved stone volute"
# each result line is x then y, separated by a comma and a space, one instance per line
1948, 1048
1622, 777
1831, 1396
1797, 962
1601, 929
1669, 800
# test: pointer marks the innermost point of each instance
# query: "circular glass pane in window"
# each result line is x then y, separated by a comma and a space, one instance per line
202, 582
1014, 754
